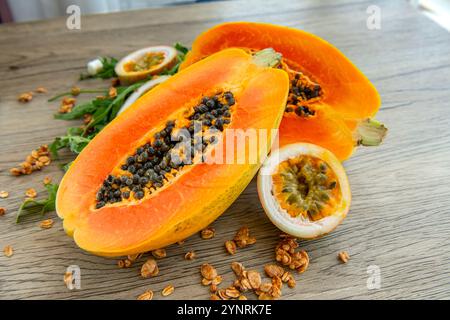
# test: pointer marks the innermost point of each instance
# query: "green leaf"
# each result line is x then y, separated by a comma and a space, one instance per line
181, 48
32, 206
105, 116
72, 140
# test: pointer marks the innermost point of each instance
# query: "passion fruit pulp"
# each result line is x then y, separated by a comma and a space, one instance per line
304, 190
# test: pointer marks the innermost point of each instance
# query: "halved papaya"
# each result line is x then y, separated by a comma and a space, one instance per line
327, 91
127, 193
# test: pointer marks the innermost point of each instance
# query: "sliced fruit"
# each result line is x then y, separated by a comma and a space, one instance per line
134, 189
304, 190
142, 63
322, 80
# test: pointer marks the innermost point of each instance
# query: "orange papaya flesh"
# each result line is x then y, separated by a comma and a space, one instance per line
188, 196
321, 78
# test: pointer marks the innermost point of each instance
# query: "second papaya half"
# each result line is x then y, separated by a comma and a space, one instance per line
330, 101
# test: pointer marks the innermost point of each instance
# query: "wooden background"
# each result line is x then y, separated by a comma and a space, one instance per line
400, 216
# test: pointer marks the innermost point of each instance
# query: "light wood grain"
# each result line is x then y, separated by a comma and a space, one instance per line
399, 218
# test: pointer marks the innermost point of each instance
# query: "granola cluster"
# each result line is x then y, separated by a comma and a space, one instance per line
149, 268
242, 239
287, 255
38, 159
66, 105
251, 281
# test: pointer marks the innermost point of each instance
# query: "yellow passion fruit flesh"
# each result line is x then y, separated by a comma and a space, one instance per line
304, 190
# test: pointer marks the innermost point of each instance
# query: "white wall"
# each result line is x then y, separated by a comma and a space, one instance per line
26, 10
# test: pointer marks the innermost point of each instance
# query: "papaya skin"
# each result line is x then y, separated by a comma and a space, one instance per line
193, 199
348, 96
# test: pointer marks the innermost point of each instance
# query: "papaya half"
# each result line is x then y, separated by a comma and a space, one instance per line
330, 100
127, 192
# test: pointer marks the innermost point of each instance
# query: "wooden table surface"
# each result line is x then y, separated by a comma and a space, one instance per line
400, 216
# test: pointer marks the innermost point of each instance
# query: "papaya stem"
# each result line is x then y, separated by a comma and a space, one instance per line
370, 132
267, 58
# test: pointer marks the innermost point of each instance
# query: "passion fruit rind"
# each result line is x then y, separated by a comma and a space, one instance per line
323, 172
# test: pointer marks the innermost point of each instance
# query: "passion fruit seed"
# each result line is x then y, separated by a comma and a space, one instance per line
305, 186
151, 166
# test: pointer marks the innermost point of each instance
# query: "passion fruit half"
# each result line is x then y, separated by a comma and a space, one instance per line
304, 190
139, 64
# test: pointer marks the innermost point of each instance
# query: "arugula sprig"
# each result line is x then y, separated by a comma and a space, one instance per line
72, 140
103, 111
32, 206
105, 114
107, 72
71, 93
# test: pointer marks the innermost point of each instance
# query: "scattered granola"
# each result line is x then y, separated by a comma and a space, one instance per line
87, 117
134, 257
128, 262
47, 180
8, 251
273, 270
242, 238
66, 105
147, 295
2, 211
208, 271
291, 282
112, 92
232, 292
167, 290
237, 268
25, 97
121, 263
159, 253
191, 255
242, 297
31, 193
276, 287
254, 279
34, 161
149, 268
213, 288
217, 280
265, 296
343, 256
4, 194
230, 245
214, 297
75, 91
286, 255
41, 90
222, 295
208, 233
265, 287
46, 224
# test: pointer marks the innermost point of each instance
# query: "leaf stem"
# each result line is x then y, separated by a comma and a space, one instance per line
68, 93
